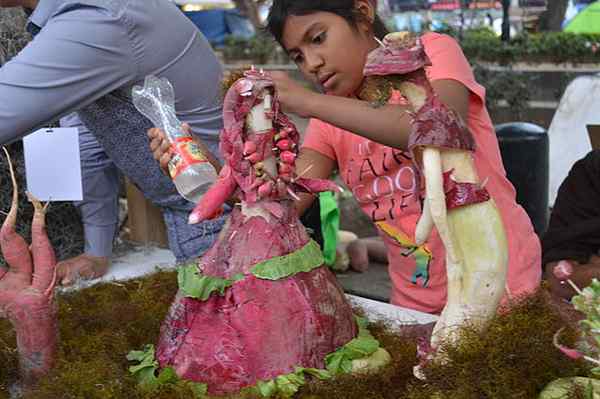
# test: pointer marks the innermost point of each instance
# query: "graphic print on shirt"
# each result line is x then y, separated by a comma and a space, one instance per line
383, 181
421, 253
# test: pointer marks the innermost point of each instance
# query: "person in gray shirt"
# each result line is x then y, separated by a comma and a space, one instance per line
86, 55
99, 208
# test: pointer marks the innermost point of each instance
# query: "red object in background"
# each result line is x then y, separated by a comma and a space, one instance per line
485, 4
448, 5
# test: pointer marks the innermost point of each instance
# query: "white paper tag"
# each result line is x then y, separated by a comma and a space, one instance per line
52, 164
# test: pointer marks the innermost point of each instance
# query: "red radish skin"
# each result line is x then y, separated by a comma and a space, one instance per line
288, 157
14, 248
26, 291
249, 147
211, 203
42, 252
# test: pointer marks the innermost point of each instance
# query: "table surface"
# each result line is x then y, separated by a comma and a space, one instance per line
373, 284
369, 290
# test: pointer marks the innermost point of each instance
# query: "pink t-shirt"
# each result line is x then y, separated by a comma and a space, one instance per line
383, 181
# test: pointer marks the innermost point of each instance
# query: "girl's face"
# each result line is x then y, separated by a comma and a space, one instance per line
328, 50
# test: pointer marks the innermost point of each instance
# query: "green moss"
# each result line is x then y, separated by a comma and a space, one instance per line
100, 325
8, 358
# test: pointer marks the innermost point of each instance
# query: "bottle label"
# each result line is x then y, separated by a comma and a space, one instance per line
185, 153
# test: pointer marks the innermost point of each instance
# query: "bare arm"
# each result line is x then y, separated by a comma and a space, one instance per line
389, 125
454, 95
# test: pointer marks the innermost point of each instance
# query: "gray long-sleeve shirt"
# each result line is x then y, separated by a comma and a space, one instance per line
86, 56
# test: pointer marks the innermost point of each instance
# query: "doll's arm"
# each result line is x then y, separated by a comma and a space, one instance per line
434, 192
424, 225
210, 206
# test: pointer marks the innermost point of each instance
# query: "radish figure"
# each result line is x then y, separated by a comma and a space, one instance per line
456, 203
260, 302
27, 290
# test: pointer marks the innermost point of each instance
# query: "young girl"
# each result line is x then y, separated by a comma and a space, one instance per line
329, 41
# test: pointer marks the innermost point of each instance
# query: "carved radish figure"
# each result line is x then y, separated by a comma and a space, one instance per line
27, 289
260, 303
456, 202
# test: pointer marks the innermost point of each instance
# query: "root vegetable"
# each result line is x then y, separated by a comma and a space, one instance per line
14, 248
265, 189
26, 291
282, 134
249, 147
254, 157
471, 230
284, 167
277, 306
284, 144
211, 203
288, 157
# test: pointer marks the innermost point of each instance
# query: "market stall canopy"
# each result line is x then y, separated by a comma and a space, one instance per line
587, 21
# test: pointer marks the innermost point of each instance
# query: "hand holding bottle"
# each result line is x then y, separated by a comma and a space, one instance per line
161, 148
190, 169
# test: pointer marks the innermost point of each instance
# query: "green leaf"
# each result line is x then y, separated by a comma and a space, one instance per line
589, 391
140, 356
145, 371
167, 376
137, 368
333, 362
289, 384
195, 285
266, 388
305, 259
146, 377
361, 347
145, 359
363, 324
563, 387
200, 390
318, 373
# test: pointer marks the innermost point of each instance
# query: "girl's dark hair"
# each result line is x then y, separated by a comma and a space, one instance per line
282, 9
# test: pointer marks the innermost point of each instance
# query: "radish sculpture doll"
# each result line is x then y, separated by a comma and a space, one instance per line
27, 290
455, 202
259, 309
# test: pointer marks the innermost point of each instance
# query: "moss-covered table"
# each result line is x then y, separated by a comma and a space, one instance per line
99, 325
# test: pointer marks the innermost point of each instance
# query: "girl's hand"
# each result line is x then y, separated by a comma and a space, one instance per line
293, 97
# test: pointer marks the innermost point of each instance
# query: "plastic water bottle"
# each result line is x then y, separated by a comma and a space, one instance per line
190, 170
